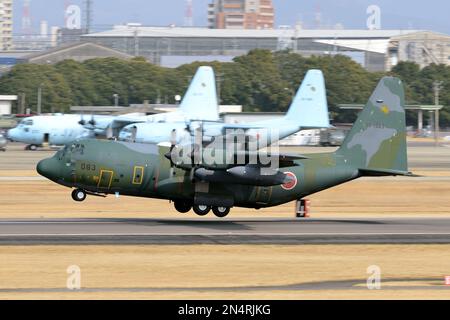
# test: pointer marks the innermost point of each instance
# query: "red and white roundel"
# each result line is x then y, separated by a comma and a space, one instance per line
292, 184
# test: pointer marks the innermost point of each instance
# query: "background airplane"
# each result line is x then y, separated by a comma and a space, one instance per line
54, 130
308, 110
376, 146
199, 103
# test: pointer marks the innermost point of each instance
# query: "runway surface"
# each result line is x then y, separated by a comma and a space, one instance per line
227, 231
355, 285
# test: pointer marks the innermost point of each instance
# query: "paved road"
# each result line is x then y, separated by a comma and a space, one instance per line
228, 231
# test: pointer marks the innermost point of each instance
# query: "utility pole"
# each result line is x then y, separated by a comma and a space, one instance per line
219, 81
39, 101
437, 87
22, 103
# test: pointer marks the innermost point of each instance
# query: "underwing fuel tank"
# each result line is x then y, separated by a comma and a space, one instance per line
246, 175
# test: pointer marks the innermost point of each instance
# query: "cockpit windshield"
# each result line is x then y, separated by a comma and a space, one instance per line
26, 122
77, 148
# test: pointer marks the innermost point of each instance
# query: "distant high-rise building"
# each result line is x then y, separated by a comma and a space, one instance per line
189, 18
241, 14
6, 25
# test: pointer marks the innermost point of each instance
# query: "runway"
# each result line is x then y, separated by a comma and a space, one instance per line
227, 231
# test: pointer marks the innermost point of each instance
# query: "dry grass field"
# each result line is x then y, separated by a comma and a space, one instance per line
236, 272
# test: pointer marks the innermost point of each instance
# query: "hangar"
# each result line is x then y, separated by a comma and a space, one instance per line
376, 50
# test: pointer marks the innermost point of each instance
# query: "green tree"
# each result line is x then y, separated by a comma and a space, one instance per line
27, 78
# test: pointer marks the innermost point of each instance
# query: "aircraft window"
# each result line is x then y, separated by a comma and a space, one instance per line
77, 148
26, 122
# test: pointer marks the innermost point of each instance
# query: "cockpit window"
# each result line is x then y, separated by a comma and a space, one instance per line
27, 122
77, 148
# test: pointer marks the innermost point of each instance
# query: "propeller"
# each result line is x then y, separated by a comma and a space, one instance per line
109, 133
173, 143
133, 133
82, 121
92, 122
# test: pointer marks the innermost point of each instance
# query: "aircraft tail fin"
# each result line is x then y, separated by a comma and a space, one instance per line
377, 141
200, 101
309, 109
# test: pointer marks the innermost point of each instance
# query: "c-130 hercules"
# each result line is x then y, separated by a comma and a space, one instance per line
376, 146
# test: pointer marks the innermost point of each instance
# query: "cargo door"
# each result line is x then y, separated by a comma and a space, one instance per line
105, 180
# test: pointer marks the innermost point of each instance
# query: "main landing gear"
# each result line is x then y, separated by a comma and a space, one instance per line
221, 212
79, 195
201, 210
183, 207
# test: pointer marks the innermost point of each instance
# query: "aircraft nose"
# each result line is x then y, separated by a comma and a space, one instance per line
10, 134
48, 168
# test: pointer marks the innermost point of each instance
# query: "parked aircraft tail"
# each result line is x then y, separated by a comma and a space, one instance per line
200, 101
377, 142
310, 106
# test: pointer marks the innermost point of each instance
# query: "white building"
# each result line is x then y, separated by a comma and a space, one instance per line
6, 25
376, 50
6, 104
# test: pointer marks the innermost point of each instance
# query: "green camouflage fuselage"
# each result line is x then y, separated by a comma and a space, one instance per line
142, 170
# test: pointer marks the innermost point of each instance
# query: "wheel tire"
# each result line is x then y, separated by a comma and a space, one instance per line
182, 207
79, 195
33, 147
201, 210
221, 212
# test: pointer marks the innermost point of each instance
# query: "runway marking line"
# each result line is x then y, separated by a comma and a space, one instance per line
217, 234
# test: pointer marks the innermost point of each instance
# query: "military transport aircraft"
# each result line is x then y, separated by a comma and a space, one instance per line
309, 110
199, 103
376, 146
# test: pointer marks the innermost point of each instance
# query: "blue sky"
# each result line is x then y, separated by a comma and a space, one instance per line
400, 14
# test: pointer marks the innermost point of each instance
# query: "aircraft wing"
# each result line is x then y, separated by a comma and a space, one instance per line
242, 127
284, 160
118, 124
227, 159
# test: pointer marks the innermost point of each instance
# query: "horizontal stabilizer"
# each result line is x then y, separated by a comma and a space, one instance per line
385, 173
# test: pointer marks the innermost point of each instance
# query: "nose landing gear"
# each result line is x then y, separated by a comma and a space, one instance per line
31, 147
79, 195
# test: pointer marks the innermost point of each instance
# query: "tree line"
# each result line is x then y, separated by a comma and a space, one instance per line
260, 81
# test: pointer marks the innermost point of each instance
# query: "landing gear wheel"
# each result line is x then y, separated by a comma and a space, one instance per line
31, 147
182, 207
201, 210
78, 195
221, 212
